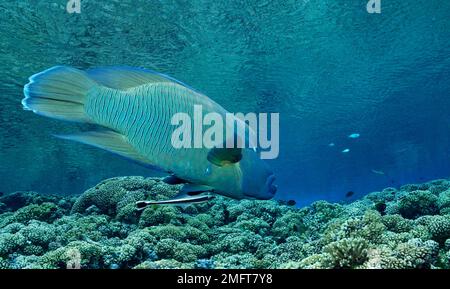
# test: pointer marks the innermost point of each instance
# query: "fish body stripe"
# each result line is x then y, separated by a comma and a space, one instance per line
143, 114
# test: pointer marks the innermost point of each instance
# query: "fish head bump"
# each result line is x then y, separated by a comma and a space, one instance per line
257, 180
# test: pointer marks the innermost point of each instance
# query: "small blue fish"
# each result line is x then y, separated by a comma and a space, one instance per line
378, 172
331, 144
346, 151
354, 135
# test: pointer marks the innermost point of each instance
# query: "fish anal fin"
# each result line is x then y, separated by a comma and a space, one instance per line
108, 140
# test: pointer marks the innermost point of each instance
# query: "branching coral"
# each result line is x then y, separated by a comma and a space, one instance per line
183, 252
347, 253
290, 224
412, 254
160, 215
443, 202
418, 203
105, 231
397, 223
439, 227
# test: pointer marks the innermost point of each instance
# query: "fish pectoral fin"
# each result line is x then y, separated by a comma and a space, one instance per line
193, 190
108, 140
174, 180
224, 156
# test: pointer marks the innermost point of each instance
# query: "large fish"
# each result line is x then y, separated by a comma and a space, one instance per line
135, 107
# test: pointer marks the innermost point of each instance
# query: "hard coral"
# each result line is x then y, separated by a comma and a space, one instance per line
105, 231
418, 203
348, 252
117, 196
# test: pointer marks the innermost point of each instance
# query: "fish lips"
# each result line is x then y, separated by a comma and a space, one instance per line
268, 190
272, 189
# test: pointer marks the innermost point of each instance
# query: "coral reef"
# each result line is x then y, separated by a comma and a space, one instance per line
407, 227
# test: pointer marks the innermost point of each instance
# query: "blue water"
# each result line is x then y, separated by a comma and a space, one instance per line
328, 67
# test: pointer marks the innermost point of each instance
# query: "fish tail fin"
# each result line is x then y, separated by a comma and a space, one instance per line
59, 92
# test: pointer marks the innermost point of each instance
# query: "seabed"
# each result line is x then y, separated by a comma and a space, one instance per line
400, 228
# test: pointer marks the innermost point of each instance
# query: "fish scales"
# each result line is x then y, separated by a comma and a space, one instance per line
144, 113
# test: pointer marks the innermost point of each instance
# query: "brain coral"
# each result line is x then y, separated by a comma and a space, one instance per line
116, 197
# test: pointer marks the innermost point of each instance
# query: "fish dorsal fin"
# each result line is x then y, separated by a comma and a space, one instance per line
108, 140
125, 77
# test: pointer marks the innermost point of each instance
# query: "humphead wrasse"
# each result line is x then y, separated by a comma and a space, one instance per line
134, 107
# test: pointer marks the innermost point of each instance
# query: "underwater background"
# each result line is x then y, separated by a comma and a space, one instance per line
364, 133
328, 67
